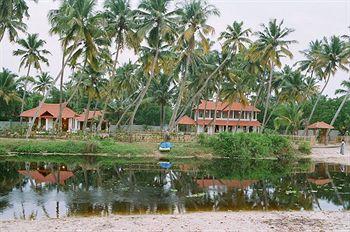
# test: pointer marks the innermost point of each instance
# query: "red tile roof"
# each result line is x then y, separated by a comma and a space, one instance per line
223, 122
242, 184
185, 120
92, 114
319, 181
320, 125
222, 106
49, 110
50, 178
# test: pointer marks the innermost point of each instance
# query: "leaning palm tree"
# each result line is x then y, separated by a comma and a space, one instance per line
120, 28
11, 17
346, 93
8, 87
32, 55
43, 82
156, 23
193, 16
269, 48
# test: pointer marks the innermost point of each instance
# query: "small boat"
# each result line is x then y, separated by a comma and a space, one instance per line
165, 165
165, 146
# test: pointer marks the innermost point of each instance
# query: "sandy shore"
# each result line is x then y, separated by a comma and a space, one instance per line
230, 221
330, 155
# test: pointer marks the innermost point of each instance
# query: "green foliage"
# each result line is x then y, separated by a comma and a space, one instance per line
305, 147
249, 145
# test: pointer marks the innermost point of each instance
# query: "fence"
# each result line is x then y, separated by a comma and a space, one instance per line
153, 137
5, 125
311, 139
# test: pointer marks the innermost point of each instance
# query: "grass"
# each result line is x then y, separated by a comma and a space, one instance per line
105, 147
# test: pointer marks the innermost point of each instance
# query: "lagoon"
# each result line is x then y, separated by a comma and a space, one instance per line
97, 186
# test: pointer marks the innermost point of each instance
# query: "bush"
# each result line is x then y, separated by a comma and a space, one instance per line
304, 147
250, 145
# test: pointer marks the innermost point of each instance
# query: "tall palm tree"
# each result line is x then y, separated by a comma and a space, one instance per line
120, 28
8, 87
156, 23
11, 17
269, 48
43, 82
235, 39
32, 55
346, 93
193, 16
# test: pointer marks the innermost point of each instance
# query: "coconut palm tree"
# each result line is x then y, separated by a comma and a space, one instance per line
289, 116
32, 55
8, 87
11, 17
157, 24
43, 82
235, 39
120, 28
269, 48
193, 18
346, 93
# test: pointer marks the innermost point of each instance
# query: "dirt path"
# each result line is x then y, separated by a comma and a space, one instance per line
331, 155
231, 221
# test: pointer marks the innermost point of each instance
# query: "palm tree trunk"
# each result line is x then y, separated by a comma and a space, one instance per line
216, 109
199, 92
239, 119
161, 118
179, 97
268, 95
25, 92
108, 98
30, 127
61, 95
315, 105
87, 111
144, 91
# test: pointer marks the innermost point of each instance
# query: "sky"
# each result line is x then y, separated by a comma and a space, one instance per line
311, 19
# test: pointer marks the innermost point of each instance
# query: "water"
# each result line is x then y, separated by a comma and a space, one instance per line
106, 185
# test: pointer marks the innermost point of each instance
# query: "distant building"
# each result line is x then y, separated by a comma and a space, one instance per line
71, 121
229, 117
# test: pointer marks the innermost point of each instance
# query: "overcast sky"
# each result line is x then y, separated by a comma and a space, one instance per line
311, 19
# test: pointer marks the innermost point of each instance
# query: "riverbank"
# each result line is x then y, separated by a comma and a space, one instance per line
330, 154
213, 221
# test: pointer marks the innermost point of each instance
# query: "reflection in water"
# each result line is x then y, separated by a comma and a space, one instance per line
93, 186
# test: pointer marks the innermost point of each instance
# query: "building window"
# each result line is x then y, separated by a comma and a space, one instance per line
207, 113
218, 114
201, 113
225, 114
236, 114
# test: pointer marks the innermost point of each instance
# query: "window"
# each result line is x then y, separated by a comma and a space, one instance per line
236, 114
225, 114
218, 114
201, 113
207, 112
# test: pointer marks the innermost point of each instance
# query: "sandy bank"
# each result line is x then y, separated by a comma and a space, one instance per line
330, 155
222, 221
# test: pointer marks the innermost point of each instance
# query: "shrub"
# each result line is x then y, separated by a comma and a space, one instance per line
250, 145
304, 147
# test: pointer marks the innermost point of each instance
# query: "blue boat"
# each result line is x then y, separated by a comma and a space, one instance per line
165, 165
165, 146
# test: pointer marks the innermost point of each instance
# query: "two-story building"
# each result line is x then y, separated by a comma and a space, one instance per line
229, 117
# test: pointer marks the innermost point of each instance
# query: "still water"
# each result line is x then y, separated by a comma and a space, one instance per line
57, 187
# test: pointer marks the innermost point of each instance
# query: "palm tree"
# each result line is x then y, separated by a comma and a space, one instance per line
161, 94
11, 15
43, 83
193, 17
235, 39
120, 27
8, 87
32, 55
157, 24
346, 93
269, 48
290, 116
